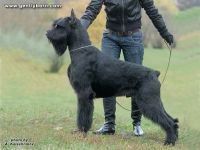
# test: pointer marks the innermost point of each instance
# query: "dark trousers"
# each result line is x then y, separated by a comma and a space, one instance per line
109, 105
133, 50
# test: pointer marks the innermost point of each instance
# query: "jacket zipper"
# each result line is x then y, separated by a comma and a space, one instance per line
123, 22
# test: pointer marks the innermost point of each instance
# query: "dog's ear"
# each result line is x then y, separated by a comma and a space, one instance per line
73, 19
73, 14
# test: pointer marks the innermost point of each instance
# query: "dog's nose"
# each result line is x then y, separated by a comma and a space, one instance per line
47, 32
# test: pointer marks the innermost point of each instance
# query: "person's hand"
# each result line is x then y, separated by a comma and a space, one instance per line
168, 37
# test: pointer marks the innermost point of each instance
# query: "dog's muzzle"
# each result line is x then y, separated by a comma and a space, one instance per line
47, 33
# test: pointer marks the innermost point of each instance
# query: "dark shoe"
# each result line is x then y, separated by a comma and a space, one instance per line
106, 129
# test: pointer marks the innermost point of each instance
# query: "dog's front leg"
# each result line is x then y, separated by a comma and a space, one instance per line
85, 109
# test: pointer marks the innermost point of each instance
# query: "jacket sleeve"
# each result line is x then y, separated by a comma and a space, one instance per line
91, 12
154, 15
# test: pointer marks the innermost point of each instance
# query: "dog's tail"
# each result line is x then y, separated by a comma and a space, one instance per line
157, 73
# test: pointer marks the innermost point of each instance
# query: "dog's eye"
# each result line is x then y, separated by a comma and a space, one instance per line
55, 26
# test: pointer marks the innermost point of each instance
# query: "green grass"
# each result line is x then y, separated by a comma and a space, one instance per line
186, 25
34, 104
189, 15
186, 22
25, 42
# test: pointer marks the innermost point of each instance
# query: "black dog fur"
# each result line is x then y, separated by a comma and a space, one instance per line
95, 75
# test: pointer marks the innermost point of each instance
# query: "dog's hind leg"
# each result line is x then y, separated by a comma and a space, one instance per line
176, 121
148, 100
85, 109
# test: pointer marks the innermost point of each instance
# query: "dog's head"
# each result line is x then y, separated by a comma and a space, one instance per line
59, 33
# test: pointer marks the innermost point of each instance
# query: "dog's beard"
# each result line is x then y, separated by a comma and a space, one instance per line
59, 46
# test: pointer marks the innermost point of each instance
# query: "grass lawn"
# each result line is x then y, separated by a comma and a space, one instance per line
41, 107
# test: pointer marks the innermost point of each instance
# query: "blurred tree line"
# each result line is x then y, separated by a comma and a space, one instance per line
185, 4
34, 23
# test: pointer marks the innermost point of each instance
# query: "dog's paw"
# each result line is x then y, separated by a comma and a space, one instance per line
79, 133
171, 140
169, 143
75, 131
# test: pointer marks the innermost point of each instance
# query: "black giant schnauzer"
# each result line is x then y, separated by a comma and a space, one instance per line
95, 75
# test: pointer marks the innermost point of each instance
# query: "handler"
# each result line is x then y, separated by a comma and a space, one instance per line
123, 33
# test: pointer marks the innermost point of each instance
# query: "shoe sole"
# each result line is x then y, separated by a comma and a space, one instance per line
138, 135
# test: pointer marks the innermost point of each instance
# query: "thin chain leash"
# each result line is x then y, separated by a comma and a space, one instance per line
169, 62
73, 50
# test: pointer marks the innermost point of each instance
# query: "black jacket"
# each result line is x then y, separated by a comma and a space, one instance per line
124, 15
